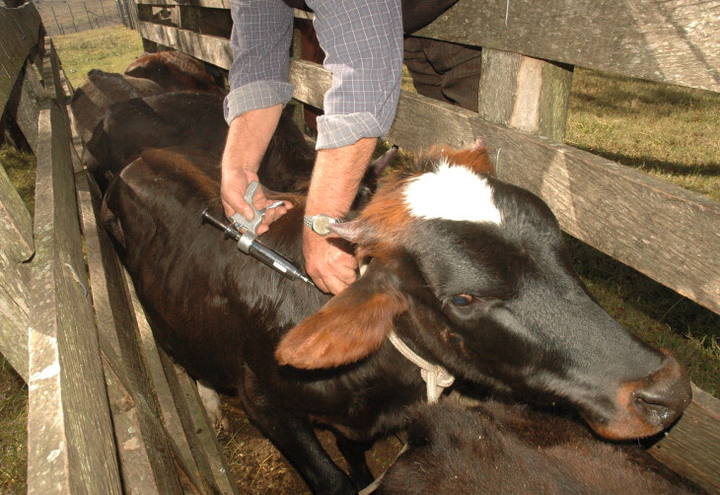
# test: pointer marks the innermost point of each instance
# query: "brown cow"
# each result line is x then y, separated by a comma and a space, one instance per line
177, 71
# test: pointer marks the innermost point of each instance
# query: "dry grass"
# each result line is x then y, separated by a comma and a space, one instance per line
13, 436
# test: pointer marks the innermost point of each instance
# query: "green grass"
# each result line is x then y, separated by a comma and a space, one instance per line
667, 131
110, 49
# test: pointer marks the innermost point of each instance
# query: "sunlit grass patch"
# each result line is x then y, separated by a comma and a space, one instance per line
667, 131
110, 49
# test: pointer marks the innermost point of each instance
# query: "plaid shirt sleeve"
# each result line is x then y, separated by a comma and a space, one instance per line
363, 42
260, 41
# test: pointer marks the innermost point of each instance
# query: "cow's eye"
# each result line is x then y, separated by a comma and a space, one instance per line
462, 299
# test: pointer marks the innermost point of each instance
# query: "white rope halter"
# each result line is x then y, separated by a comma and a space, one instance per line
436, 380
436, 377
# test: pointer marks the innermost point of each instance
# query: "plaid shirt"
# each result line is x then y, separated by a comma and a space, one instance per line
363, 41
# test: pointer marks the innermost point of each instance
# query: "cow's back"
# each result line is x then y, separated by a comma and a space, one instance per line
203, 297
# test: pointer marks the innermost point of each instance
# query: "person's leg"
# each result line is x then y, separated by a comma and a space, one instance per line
460, 68
426, 79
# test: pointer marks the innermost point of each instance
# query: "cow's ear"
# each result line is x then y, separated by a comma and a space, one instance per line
475, 157
350, 326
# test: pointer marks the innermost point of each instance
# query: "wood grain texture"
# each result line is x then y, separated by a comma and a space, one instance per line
199, 431
70, 439
16, 246
209, 468
604, 204
32, 93
14, 309
21, 30
148, 447
16, 238
135, 462
675, 41
691, 446
213, 49
524, 93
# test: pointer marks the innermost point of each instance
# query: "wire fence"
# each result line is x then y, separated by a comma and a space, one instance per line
72, 16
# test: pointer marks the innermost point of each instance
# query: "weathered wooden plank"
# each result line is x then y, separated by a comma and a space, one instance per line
16, 237
135, 462
524, 93
598, 201
213, 49
70, 440
21, 30
173, 407
16, 246
691, 447
14, 309
676, 42
119, 340
203, 441
31, 94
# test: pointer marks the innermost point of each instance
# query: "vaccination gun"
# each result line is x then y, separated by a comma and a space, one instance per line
244, 231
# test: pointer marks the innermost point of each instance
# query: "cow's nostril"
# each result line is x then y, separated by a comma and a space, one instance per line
653, 409
661, 403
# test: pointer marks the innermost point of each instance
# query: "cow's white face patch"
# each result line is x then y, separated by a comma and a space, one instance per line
452, 192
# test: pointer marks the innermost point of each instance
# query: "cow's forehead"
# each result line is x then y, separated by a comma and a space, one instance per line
451, 192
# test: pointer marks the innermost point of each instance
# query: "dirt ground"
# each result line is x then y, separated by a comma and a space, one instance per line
259, 469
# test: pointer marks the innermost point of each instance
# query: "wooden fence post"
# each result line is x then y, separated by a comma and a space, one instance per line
524, 93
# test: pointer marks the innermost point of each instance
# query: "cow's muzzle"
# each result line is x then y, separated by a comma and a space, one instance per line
647, 406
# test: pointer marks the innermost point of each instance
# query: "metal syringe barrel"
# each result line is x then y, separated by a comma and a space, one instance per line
261, 252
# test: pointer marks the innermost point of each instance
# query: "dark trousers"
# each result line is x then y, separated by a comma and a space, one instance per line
444, 71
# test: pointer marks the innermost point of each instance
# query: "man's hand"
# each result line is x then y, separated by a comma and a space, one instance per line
247, 140
335, 180
232, 193
330, 266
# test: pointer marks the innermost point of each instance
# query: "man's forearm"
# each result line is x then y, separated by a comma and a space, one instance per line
336, 177
248, 138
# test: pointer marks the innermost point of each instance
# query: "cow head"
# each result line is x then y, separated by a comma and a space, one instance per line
474, 274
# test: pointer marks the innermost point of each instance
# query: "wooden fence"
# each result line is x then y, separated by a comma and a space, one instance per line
108, 411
